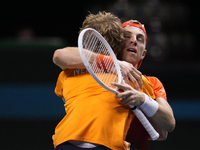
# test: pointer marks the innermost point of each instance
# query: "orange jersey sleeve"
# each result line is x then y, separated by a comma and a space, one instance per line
62, 76
59, 85
158, 87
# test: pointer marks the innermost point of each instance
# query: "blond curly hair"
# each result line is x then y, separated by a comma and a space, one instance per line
109, 26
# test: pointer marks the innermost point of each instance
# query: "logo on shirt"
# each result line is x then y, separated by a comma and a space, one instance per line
79, 71
162, 90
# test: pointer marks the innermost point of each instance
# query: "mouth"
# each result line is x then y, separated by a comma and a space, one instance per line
132, 50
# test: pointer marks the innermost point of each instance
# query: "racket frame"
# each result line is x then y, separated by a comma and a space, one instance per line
112, 54
142, 118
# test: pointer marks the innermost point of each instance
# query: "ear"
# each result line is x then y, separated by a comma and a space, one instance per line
144, 54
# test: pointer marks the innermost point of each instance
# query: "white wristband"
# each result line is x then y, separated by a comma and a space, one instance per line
150, 106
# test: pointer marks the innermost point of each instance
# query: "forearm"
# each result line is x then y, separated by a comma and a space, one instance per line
68, 58
160, 113
162, 133
164, 116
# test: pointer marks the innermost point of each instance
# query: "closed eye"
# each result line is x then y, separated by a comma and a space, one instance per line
140, 38
127, 35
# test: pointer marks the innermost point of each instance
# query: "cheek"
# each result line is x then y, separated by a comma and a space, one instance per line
141, 50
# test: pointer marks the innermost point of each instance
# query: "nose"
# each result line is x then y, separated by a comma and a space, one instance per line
133, 40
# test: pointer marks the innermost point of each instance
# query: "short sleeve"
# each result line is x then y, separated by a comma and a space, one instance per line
59, 85
158, 87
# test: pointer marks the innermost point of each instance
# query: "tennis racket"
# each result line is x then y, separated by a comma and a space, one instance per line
101, 62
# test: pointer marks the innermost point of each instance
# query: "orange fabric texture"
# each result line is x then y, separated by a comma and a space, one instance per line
92, 113
158, 87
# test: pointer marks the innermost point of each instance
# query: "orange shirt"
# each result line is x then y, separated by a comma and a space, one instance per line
137, 133
158, 87
92, 113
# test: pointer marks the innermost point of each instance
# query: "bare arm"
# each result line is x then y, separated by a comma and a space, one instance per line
69, 58
163, 120
164, 117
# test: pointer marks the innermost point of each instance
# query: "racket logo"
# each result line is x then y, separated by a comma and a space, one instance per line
122, 74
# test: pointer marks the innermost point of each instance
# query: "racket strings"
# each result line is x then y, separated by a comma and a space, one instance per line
104, 68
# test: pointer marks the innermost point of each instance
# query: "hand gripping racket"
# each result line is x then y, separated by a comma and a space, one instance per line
101, 62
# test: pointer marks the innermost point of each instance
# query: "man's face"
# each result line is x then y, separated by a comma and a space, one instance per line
134, 48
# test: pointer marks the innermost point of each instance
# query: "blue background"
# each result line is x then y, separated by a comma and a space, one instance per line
38, 101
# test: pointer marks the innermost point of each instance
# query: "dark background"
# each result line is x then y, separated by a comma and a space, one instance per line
30, 31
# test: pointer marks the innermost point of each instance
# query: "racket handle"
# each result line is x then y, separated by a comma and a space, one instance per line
147, 125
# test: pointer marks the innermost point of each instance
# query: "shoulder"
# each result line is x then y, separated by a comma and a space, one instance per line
158, 87
154, 81
65, 73
60, 81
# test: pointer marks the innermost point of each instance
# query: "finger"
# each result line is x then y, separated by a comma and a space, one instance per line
133, 80
136, 80
118, 95
126, 79
123, 101
141, 83
121, 86
126, 100
139, 80
138, 75
123, 98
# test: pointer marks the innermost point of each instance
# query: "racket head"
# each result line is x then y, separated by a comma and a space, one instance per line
104, 70
90, 41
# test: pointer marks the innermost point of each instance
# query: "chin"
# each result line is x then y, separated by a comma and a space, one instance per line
130, 60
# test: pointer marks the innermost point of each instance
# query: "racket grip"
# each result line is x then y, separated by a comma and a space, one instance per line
147, 125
